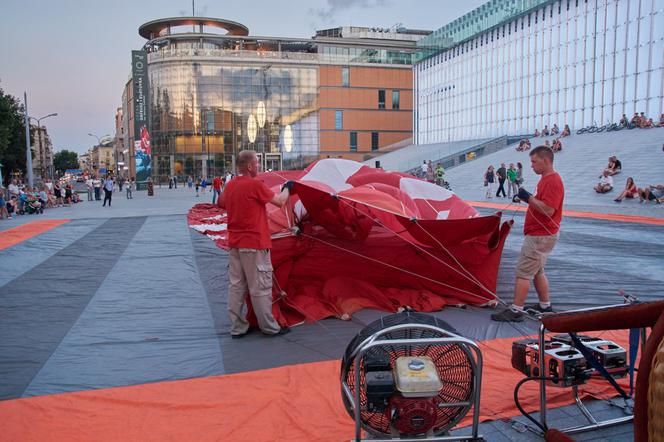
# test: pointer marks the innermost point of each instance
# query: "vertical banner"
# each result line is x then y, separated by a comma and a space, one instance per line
142, 149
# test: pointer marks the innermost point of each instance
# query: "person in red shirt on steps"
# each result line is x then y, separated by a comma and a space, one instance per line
545, 210
250, 267
216, 189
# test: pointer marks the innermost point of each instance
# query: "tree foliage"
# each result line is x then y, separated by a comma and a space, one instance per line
12, 135
65, 159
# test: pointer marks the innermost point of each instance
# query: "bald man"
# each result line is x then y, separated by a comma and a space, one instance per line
250, 269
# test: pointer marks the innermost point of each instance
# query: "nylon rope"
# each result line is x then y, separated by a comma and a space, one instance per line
377, 221
394, 267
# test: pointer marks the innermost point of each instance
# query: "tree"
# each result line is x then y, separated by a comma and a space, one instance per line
65, 159
12, 135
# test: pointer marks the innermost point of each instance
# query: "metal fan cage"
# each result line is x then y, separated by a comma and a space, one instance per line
414, 334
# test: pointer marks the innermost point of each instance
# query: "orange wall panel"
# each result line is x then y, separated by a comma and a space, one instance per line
352, 98
373, 77
368, 120
334, 142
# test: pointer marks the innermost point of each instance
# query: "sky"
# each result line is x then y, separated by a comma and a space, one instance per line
73, 57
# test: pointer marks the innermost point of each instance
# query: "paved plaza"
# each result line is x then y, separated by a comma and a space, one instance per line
131, 296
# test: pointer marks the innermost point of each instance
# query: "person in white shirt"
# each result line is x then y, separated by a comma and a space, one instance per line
423, 169
13, 189
96, 185
605, 183
88, 184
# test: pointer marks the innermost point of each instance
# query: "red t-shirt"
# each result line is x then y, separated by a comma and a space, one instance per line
216, 183
550, 191
245, 198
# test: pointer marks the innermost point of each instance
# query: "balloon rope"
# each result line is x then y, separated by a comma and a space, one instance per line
377, 221
397, 268
451, 255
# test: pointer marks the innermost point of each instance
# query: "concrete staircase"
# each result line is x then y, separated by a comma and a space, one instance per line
580, 163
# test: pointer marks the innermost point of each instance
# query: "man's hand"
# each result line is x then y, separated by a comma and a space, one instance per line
288, 185
523, 194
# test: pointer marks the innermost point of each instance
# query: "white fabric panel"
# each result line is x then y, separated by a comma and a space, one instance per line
209, 227
443, 214
333, 172
418, 189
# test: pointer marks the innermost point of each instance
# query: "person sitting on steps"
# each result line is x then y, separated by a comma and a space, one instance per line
605, 183
630, 191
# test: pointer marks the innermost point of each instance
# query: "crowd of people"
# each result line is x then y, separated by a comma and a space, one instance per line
433, 174
200, 185
20, 199
511, 176
555, 130
652, 192
641, 121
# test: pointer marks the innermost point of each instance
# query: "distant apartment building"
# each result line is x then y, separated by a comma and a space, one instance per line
42, 149
346, 92
120, 152
84, 162
102, 156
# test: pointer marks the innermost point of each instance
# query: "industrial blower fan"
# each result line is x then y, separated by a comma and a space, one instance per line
409, 375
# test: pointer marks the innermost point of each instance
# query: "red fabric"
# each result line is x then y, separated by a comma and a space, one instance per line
550, 191
216, 183
292, 403
369, 238
245, 199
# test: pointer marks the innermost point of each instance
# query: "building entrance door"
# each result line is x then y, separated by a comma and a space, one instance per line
273, 161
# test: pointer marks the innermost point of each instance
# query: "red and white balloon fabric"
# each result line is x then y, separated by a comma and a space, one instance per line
354, 237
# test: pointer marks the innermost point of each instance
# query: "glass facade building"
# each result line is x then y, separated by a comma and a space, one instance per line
512, 66
213, 94
204, 111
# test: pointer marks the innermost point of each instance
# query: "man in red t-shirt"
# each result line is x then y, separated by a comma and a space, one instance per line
216, 189
250, 267
545, 210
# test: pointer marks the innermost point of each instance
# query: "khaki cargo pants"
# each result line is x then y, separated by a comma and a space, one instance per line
250, 270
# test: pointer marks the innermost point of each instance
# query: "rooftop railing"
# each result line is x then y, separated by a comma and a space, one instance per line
170, 53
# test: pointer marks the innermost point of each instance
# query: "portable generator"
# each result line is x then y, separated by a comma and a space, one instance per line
407, 375
564, 364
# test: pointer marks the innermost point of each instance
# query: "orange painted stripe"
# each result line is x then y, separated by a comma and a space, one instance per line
11, 237
295, 403
576, 214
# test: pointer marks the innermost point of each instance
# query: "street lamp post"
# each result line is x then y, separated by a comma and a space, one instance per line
28, 151
99, 139
39, 129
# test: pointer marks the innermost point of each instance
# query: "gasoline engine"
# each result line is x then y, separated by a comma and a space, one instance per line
565, 366
410, 376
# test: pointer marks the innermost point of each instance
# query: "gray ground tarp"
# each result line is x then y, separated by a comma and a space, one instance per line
97, 303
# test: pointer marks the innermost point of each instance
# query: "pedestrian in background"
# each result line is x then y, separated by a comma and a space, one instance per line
216, 189
88, 185
488, 181
130, 184
501, 173
108, 190
198, 185
512, 188
96, 184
